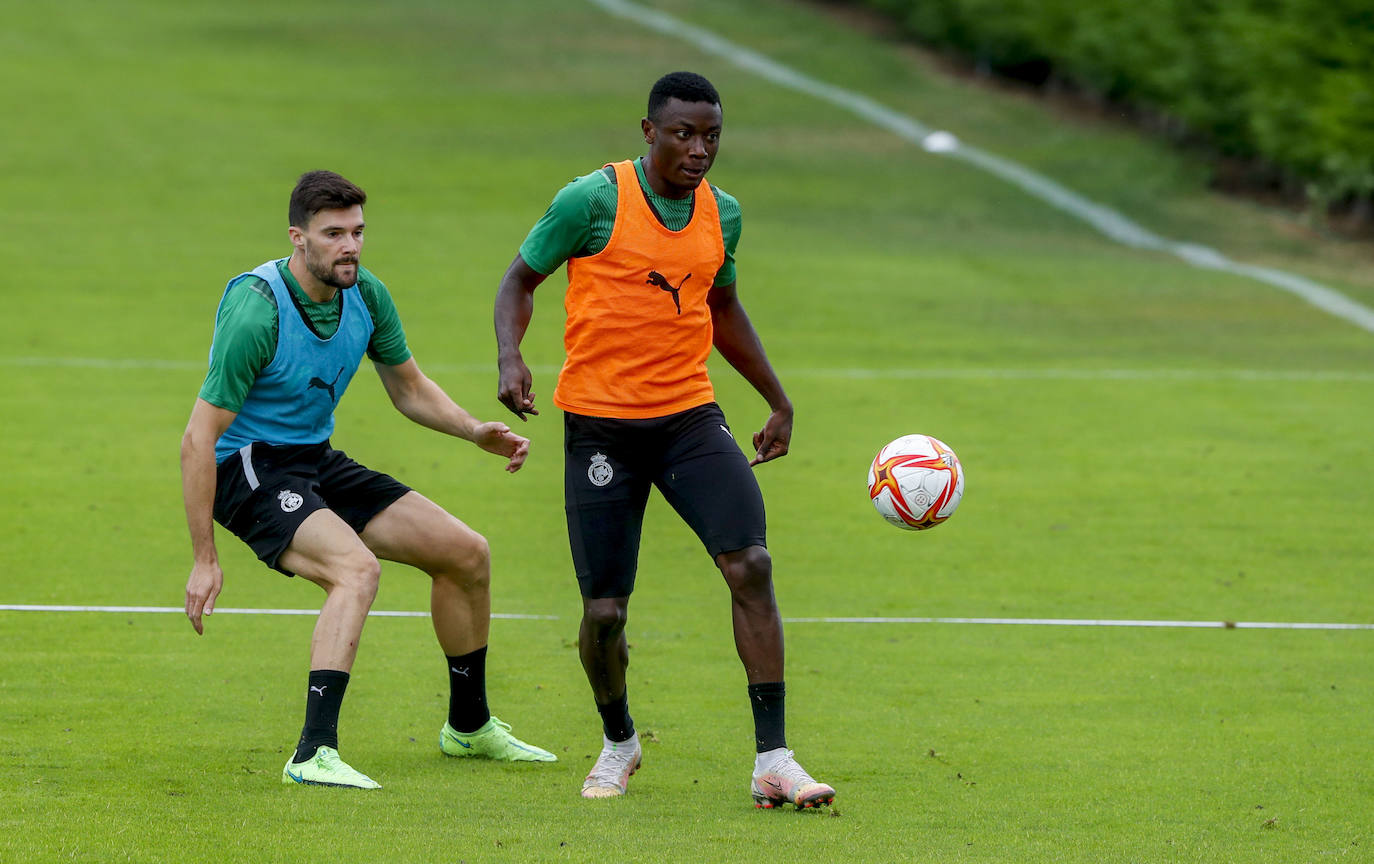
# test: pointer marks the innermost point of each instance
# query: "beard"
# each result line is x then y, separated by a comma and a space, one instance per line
325, 270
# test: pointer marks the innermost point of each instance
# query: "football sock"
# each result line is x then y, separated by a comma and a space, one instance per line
467, 693
615, 719
770, 718
322, 703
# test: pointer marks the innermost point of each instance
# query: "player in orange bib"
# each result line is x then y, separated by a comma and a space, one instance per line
651, 288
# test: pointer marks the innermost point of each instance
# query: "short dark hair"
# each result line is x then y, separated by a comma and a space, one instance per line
321, 190
687, 86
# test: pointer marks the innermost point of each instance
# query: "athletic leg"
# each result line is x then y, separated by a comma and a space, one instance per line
754, 612
327, 552
418, 532
707, 479
605, 494
602, 646
414, 530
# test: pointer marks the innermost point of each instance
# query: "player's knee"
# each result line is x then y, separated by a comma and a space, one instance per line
747, 570
605, 617
470, 555
360, 573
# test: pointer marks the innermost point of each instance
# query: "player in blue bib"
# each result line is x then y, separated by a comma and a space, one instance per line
256, 457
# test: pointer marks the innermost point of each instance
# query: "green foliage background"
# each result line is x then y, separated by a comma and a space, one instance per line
1286, 82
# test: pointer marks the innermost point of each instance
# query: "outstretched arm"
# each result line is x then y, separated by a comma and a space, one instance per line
739, 344
426, 403
514, 307
198, 480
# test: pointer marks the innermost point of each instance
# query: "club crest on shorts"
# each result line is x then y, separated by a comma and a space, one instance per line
600, 471
290, 501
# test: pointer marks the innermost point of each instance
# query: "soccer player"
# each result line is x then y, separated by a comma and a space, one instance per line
289, 335
651, 286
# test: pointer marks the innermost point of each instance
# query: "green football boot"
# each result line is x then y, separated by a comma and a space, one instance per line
325, 768
492, 741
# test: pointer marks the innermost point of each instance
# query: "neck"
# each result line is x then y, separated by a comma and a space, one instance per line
313, 288
660, 186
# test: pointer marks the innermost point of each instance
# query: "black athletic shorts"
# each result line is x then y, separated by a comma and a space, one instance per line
264, 492
608, 468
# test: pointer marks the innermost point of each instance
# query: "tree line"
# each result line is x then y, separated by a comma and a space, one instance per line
1282, 88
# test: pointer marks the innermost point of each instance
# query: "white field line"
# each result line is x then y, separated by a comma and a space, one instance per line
1104, 219
1087, 374
844, 373
1044, 622
1096, 622
227, 610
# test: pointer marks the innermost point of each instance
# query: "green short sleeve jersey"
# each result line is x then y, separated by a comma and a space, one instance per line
579, 221
246, 332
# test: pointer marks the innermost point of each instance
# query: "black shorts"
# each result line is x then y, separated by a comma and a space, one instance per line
608, 468
264, 492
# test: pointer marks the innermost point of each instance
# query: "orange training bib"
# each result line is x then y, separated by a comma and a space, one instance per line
639, 328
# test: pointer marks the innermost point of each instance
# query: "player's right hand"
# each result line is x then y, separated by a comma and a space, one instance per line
497, 438
514, 389
202, 587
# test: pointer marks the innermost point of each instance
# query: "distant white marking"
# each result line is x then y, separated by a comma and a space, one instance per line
1095, 622
140, 363
972, 373
1092, 374
227, 610
1104, 219
940, 142
1047, 622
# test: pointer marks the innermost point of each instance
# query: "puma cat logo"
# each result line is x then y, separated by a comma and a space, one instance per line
657, 278
320, 383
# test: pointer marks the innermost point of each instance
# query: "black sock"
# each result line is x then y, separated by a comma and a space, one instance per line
615, 718
770, 716
467, 691
322, 703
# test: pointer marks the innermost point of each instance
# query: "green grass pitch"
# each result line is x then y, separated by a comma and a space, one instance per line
1143, 440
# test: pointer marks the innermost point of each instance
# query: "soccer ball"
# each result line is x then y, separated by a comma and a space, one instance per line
916, 482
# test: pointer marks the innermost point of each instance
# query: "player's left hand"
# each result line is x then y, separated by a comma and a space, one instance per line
772, 440
496, 437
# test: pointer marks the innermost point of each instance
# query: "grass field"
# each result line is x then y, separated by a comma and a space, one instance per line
1143, 440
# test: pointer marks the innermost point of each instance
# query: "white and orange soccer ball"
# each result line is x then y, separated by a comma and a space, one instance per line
916, 482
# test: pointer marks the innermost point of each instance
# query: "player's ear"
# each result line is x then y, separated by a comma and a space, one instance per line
648, 126
297, 236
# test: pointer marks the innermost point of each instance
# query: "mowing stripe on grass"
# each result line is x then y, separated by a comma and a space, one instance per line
1106, 220
934, 373
1045, 622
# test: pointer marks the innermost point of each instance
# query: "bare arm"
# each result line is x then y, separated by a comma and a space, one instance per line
207, 423
514, 308
426, 403
739, 344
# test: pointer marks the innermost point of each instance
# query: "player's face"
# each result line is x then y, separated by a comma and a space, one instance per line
333, 242
682, 145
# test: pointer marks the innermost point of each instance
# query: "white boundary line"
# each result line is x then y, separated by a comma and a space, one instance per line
1095, 622
1104, 219
854, 373
227, 610
1043, 622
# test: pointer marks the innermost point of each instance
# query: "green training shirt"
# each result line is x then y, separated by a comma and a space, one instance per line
246, 332
578, 223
